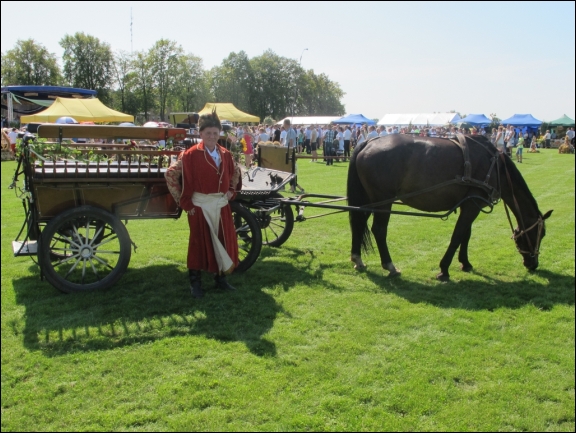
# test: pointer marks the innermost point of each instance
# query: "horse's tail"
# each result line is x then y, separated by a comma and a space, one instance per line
357, 196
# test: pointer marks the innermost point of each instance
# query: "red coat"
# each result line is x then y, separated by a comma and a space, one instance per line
199, 174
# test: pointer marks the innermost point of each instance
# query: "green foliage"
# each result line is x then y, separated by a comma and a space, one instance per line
233, 81
306, 343
190, 84
29, 63
164, 78
273, 85
165, 65
88, 63
141, 83
269, 121
495, 121
122, 67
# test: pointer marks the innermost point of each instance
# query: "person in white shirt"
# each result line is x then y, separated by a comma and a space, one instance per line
339, 145
547, 137
383, 132
13, 136
371, 133
347, 138
307, 134
571, 134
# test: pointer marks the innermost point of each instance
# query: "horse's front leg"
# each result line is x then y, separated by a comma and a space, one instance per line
462, 232
380, 232
465, 264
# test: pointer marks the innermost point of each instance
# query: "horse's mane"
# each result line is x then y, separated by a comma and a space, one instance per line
518, 181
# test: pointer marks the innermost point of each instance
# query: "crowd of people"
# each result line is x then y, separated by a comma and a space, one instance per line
337, 141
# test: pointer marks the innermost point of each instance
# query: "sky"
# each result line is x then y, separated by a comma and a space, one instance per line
388, 57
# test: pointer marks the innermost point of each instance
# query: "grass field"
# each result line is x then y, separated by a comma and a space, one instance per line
306, 342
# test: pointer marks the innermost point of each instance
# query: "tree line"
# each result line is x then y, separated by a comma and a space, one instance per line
165, 79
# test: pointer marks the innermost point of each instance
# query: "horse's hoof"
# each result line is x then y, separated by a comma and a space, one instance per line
466, 268
395, 273
443, 277
358, 263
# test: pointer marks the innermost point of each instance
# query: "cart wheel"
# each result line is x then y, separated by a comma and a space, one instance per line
84, 249
276, 226
248, 234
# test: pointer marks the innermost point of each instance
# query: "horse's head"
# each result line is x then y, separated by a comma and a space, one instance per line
528, 241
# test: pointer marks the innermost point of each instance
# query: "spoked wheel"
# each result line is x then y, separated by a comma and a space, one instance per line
84, 249
248, 234
276, 225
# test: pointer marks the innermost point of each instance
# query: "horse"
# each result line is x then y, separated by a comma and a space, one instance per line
438, 175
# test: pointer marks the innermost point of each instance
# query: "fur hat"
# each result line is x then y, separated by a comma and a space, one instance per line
209, 121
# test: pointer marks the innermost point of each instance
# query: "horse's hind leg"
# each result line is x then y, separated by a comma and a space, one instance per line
465, 264
380, 232
360, 237
461, 234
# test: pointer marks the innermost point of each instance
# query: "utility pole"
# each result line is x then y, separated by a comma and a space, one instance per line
131, 47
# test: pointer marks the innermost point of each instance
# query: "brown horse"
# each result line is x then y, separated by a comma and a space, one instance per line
428, 174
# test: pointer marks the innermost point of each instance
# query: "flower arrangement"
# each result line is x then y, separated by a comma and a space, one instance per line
244, 145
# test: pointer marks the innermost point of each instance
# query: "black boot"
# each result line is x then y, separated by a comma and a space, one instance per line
195, 283
221, 282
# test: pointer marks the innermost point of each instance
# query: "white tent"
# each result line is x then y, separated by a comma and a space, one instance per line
310, 120
432, 119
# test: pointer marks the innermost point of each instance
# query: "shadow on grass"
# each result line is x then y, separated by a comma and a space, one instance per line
154, 302
147, 304
488, 294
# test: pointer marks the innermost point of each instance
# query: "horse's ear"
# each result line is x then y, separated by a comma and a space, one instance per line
547, 214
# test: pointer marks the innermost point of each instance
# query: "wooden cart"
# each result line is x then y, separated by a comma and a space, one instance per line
76, 197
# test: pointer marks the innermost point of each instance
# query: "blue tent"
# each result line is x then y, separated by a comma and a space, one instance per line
522, 120
475, 120
354, 118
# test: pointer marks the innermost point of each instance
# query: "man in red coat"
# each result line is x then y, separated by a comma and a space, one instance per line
203, 181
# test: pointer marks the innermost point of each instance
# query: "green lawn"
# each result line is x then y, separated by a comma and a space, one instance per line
306, 342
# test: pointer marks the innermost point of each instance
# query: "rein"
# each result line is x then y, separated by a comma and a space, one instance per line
523, 231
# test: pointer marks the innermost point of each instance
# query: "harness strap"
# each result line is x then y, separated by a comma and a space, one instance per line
523, 231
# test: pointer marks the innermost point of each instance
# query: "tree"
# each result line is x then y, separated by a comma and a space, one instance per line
281, 88
189, 88
495, 121
274, 85
122, 67
317, 95
141, 83
164, 60
88, 63
29, 63
232, 81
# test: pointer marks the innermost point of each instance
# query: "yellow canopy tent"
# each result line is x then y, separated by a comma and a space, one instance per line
80, 109
227, 111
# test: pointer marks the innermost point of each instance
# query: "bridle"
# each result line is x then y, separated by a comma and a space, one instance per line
533, 250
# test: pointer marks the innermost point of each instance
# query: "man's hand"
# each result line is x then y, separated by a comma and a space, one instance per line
229, 195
